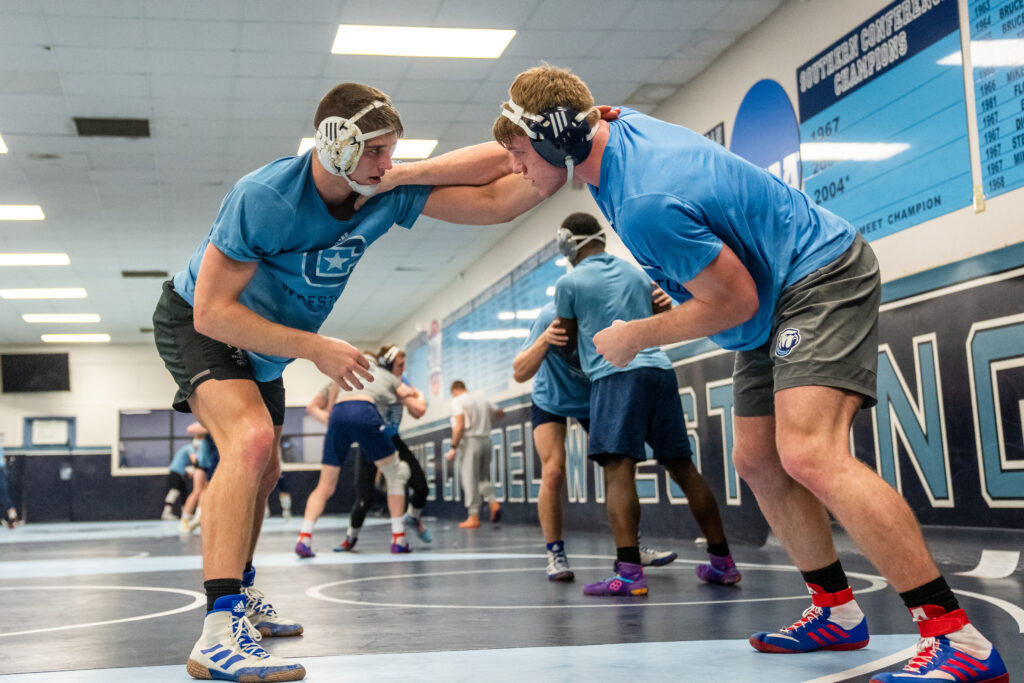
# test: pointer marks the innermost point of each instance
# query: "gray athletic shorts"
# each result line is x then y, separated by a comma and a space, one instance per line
824, 333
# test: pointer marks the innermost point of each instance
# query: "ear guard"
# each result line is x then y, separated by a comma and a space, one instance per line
339, 144
387, 359
569, 243
561, 136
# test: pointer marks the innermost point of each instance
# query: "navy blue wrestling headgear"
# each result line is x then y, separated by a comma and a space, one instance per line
561, 135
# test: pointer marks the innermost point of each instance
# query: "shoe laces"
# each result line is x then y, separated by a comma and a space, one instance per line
927, 648
254, 600
558, 561
247, 637
810, 614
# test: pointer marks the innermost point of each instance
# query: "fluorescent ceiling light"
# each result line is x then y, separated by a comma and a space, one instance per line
413, 149
1009, 52
61, 317
417, 41
3, 147
34, 260
506, 315
405, 149
75, 338
562, 262
489, 335
14, 212
550, 291
850, 151
55, 293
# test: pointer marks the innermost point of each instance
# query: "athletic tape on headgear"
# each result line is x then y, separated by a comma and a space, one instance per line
561, 135
339, 144
569, 243
387, 359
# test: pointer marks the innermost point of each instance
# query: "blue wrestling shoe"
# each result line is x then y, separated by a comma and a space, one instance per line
229, 650
347, 545
304, 550
832, 622
962, 655
417, 525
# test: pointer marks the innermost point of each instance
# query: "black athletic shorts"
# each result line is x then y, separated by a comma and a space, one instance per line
193, 358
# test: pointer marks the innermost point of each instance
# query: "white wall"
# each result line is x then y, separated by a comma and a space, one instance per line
109, 378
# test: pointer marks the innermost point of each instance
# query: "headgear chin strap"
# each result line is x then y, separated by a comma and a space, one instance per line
569, 243
340, 143
561, 135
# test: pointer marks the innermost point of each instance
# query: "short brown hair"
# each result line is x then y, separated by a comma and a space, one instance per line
346, 99
457, 384
541, 88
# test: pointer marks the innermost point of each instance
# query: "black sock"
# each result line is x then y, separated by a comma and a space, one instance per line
629, 554
719, 549
248, 567
935, 592
830, 579
218, 588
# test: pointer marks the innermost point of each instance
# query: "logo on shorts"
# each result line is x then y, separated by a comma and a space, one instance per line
787, 341
239, 355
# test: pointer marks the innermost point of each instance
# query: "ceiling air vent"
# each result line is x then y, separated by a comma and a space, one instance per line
112, 128
145, 273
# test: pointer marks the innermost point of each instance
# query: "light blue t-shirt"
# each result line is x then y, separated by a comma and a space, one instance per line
559, 387
275, 216
674, 197
600, 290
181, 459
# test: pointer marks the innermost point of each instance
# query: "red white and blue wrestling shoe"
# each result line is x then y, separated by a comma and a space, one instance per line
832, 622
950, 649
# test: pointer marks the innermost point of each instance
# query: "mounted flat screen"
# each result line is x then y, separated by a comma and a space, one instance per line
23, 372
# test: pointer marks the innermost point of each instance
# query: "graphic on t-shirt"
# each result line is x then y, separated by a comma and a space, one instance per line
332, 267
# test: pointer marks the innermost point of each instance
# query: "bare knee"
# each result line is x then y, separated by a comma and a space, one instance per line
756, 464
809, 462
553, 478
254, 446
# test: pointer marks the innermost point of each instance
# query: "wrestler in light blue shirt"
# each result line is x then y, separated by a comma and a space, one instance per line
274, 216
559, 387
181, 459
600, 290
674, 197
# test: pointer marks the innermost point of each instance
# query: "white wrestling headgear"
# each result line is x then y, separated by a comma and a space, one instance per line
569, 243
340, 143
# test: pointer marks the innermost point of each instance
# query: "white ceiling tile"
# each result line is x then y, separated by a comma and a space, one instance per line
98, 59
171, 86
189, 61
184, 107
31, 83
92, 105
290, 37
195, 9
117, 85
741, 15
281, 64
484, 13
34, 57
247, 87
97, 31
658, 44
93, 8
416, 90
450, 69
392, 13
571, 16
199, 35
657, 14
112, 161
23, 29
554, 44
326, 11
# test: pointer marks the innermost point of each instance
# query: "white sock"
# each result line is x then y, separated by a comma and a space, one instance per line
286, 502
352, 533
414, 512
307, 526
397, 525
847, 615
